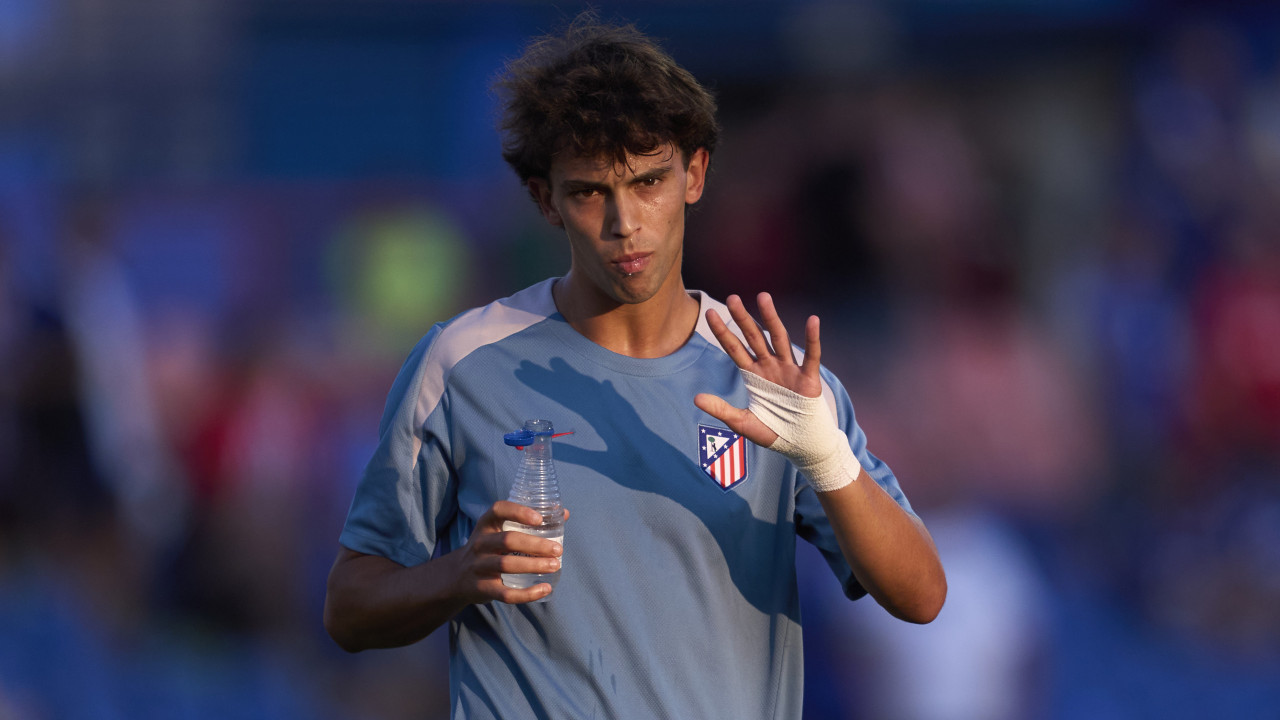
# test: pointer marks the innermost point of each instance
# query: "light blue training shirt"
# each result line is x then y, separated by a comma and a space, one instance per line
677, 597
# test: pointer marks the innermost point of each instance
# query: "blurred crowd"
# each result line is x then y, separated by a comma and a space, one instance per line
1047, 263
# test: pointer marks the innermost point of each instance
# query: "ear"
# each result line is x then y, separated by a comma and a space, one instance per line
696, 175
540, 189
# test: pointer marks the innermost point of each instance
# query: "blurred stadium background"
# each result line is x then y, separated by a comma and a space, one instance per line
1044, 238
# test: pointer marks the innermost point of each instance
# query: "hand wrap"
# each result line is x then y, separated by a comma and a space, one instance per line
807, 434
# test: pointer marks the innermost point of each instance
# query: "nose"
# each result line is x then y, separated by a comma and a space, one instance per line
624, 219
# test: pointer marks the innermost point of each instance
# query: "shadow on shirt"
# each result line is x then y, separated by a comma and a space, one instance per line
637, 457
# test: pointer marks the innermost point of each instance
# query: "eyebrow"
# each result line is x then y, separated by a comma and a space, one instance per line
655, 173
572, 186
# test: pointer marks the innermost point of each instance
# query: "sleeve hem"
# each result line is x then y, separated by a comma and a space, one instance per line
853, 589
361, 543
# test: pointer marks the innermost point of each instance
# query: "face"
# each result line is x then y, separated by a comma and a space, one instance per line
625, 223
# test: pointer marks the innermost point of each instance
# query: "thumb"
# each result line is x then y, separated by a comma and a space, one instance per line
741, 421
715, 406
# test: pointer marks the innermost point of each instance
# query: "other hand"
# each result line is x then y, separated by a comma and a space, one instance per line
491, 551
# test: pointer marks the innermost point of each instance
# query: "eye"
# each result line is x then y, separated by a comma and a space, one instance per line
585, 193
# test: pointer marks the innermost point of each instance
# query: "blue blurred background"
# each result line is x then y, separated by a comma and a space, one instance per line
1044, 239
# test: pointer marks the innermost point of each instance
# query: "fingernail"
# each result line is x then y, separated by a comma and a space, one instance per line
558, 549
554, 563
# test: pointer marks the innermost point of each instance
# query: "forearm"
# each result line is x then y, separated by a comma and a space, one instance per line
373, 602
891, 553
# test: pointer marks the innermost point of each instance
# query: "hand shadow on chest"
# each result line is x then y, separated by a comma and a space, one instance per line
631, 452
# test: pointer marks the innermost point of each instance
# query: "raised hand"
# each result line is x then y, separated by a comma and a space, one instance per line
785, 409
774, 362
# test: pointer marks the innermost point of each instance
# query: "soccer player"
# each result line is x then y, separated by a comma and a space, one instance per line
703, 443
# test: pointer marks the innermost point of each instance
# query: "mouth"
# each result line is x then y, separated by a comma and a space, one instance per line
632, 263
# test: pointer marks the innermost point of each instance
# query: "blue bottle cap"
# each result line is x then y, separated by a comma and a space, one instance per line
521, 439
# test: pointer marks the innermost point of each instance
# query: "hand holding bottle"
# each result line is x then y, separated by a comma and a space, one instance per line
490, 552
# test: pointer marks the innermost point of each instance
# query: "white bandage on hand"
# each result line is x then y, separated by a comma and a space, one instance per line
807, 434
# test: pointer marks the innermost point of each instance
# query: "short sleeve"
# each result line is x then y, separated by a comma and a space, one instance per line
811, 519
408, 490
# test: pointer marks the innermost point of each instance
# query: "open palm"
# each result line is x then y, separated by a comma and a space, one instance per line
768, 357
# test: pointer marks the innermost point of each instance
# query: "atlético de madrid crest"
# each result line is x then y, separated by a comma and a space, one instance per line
722, 455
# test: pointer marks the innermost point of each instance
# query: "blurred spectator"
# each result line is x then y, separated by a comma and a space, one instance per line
109, 337
51, 487
1237, 336
742, 236
987, 655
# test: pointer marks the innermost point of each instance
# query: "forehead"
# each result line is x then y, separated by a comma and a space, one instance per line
575, 167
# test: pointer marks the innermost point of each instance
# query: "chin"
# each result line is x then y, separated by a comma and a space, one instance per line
634, 293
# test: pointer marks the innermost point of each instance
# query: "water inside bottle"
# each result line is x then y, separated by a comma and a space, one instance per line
536, 486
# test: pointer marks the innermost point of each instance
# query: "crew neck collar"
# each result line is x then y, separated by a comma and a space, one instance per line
684, 356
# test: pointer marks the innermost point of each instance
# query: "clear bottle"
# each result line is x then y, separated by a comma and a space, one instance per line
536, 486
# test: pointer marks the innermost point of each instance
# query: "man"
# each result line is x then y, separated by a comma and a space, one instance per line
677, 597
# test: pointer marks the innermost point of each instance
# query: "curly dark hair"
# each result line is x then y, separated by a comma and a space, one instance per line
601, 91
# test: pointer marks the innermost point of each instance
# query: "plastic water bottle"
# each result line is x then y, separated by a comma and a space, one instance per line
536, 487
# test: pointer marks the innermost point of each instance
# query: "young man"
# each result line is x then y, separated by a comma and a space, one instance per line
702, 447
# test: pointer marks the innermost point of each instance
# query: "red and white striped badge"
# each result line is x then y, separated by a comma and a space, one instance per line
723, 455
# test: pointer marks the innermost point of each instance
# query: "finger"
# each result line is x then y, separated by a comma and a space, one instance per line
715, 406
517, 565
504, 510
812, 347
494, 589
741, 421
514, 596
747, 324
777, 331
728, 341
514, 541
487, 567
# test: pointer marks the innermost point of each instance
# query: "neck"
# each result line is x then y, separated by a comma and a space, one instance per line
653, 328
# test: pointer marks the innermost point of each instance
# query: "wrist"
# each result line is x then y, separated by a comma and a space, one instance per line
833, 471
807, 433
